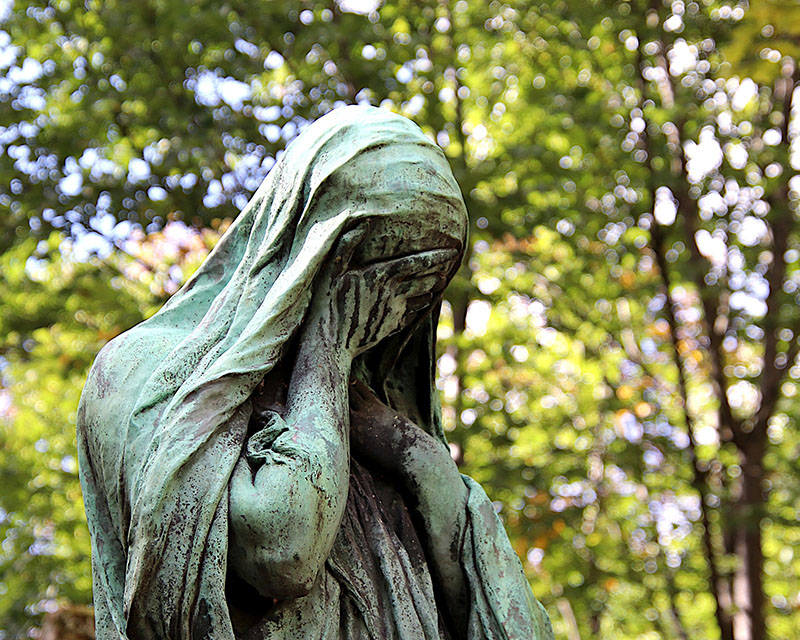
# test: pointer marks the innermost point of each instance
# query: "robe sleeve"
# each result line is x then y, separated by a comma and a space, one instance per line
502, 605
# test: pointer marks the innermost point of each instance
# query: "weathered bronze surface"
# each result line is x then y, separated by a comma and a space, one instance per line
264, 457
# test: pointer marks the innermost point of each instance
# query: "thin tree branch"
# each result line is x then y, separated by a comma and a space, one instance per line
729, 426
700, 477
700, 473
781, 222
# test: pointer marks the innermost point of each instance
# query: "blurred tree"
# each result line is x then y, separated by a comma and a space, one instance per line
56, 315
618, 361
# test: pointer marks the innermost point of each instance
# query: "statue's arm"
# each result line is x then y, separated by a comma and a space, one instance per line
284, 514
423, 464
284, 518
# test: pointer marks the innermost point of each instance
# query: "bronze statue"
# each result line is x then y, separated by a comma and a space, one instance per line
264, 457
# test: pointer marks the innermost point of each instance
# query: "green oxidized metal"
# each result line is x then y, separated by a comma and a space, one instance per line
264, 457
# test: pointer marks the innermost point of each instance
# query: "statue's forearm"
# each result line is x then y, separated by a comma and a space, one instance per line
285, 517
317, 414
433, 478
423, 464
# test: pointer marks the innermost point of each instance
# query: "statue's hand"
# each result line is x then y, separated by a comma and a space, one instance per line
390, 441
355, 308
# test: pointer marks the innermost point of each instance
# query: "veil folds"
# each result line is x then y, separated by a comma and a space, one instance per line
155, 482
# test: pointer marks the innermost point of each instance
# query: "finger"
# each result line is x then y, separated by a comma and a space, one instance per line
348, 244
424, 284
418, 303
416, 264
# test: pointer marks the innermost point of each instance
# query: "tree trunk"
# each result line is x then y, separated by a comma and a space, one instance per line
70, 622
751, 557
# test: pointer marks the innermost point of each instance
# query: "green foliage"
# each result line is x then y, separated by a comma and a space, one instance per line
617, 354
55, 316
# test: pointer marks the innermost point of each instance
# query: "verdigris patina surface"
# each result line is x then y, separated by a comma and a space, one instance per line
264, 457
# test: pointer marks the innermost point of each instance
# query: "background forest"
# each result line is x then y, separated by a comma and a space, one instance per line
618, 354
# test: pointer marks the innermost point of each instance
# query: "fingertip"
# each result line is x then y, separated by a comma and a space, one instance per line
350, 241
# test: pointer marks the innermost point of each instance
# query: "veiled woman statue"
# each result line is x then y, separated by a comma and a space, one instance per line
264, 457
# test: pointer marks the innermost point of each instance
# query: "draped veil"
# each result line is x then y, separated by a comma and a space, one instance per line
164, 414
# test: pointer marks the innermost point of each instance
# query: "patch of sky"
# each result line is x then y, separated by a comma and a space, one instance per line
98, 166
250, 171
273, 60
247, 48
8, 52
20, 153
405, 73
629, 427
648, 347
361, 7
671, 519
271, 132
228, 181
214, 196
187, 181
673, 23
176, 273
100, 238
665, 209
267, 114
736, 153
744, 94
415, 104
154, 152
712, 246
653, 458
446, 94
157, 193
89, 244
368, 52
103, 224
771, 137
30, 71
71, 184
423, 65
477, 318
32, 98
211, 90
682, 57
365, 96
289, 131
138, 170
743, 395
619, 480
751, 231
117, 82
703, 156
758, 286
748, 303
712, 202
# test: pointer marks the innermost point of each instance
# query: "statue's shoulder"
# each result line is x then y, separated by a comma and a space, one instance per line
120, 370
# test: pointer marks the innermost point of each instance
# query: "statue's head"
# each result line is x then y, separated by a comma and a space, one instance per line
400, 193
380, 174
